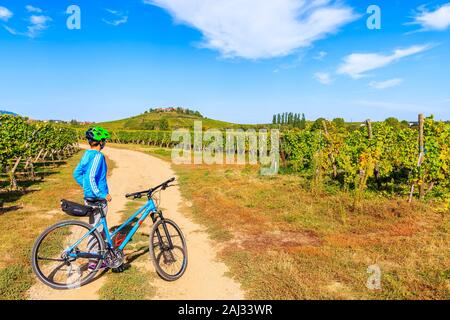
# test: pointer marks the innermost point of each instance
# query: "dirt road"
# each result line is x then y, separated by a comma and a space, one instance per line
205, 277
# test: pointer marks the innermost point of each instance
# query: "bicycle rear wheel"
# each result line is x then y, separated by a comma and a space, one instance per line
54, 267
168, 250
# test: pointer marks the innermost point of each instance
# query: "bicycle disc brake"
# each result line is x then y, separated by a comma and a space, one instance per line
168, 256
114, 258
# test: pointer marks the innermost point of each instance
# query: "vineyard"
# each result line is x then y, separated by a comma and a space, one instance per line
377, 156
27, 148
154, 138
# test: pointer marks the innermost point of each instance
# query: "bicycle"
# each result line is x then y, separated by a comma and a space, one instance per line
69, 254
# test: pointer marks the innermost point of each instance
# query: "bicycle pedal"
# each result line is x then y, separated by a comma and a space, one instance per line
120, 269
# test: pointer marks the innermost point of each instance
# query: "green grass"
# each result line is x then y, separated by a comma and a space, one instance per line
132, 284
15, 280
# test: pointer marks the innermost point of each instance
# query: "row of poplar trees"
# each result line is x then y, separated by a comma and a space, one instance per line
295, 120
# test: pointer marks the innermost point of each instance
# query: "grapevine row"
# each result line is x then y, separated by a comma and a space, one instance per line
24, 143
381, 157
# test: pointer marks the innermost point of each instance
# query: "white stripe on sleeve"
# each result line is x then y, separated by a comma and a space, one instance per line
92, 175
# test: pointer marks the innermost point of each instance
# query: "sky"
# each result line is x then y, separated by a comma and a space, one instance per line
235, 60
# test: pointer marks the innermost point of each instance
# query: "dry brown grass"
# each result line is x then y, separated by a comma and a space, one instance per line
283, 241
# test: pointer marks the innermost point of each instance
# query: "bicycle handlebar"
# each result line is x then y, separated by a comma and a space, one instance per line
149, 192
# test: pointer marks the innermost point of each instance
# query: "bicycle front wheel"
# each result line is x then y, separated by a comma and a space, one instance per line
168, 250
54, 266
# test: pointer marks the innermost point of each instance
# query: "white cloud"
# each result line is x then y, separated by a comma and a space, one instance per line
38, 23
434, 20
32, 9
120, 18
256, 29
115, 12
116, 22
357, 64
11, 30
380, 85
39, 20
320, 56
323, 77
5, 14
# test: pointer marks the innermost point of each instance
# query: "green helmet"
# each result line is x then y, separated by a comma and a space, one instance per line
97, 134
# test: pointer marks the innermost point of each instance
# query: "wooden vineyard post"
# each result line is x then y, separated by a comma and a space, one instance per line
282, 153
369, 128
422, 155
29, 164
39, 155
117, 137
331, 155
370, 136
420, 160
13, 181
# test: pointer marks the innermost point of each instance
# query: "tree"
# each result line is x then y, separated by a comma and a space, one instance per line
393, 122
339, 122
198, 114
318, 124
163, 124
303, 122
296, 120
405, 124
148, 125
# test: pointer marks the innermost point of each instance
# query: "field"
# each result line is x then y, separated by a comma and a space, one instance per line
284, 239
339, 215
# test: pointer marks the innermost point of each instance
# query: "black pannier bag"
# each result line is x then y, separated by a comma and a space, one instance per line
76, 209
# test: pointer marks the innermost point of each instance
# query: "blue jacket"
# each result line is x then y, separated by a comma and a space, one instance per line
91, 173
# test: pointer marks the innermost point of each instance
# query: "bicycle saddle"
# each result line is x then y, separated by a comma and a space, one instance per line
95, 201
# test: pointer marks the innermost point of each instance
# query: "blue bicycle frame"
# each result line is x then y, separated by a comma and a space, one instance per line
144, 212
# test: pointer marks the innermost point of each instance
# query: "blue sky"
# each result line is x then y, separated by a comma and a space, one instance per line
235, 60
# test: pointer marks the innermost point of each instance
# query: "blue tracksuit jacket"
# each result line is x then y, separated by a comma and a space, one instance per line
91, 173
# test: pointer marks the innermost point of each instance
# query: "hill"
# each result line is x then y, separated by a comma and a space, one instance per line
167, 121
8, 112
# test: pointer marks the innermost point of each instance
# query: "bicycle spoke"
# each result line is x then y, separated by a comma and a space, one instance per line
53, 262
51, 259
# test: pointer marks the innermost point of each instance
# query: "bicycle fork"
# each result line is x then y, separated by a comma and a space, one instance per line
166, 232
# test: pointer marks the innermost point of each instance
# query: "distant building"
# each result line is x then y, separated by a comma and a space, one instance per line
170, 109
